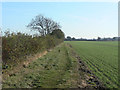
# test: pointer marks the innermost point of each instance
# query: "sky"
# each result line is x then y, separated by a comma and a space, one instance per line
78, 19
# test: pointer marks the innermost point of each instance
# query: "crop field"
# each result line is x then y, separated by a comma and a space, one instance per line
59, 68
101, 57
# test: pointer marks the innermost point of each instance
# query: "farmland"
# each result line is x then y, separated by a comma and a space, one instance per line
101, 57
59, 68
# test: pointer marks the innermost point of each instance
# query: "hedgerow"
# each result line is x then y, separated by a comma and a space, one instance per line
19, 45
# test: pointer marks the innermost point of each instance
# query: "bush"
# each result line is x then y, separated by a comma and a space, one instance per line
15, 46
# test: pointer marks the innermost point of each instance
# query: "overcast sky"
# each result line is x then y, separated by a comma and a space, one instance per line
78, 19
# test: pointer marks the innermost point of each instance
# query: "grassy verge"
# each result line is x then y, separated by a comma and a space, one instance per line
57, 69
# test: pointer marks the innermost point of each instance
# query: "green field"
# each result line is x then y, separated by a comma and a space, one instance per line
59, 68
101, 57
63, 68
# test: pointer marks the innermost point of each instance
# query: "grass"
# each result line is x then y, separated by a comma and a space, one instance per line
57, 69
101, 57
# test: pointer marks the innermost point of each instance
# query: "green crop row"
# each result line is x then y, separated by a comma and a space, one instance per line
101, 58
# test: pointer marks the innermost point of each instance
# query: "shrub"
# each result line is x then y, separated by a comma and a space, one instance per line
15, 46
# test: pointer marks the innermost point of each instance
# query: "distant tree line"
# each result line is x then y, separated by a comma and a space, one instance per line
98, 39
16, 46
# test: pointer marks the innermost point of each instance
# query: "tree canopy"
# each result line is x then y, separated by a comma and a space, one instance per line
58, 34
43, 25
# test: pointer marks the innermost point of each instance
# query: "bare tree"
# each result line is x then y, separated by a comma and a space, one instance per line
43, 25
